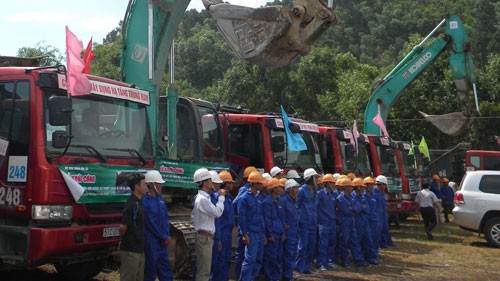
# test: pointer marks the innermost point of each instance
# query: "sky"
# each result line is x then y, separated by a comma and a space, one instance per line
24, 23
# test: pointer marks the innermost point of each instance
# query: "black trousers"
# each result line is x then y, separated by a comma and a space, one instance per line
429, 217
448, 209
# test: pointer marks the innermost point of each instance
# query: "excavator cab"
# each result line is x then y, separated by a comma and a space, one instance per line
272, 37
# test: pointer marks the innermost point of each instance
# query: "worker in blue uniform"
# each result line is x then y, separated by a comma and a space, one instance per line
306, 201
275, 230
362, 223
327, 224
291, 220
220, 272
385, 234
347, 207
373, 216
156, 231
251, 223
240, 246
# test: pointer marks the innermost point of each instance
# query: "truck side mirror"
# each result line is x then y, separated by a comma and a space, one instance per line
60, 139
59, 111
278, 144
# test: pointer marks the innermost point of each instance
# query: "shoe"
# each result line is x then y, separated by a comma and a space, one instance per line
331, 265
362, 265
307, 272
429, 236
346, 265
373, 262
322, 268
298, 275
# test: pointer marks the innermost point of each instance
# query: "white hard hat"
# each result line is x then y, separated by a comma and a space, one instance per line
292, 174
381, 179
201, 175
267, 176
309, 173
215, 177
290, 183
336, 176
275, 170
154, 176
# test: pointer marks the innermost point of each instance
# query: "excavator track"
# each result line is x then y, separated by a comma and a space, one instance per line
181, 248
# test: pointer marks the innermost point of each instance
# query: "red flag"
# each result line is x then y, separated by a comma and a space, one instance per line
355, 136
88, 56
78, 84
379, 122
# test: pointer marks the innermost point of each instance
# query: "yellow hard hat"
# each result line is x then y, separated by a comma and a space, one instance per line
368, 180
358, 182
328, 178
272, 183
338, 182
248, 170
256, 177
343, 177
351, 176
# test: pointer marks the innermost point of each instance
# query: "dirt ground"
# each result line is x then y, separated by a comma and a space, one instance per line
454, 254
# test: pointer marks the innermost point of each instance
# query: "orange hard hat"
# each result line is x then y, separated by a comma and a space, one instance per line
351, 176
343, 177
248, 170
283, 181
358, 182
328, 178
435, 177
226, 177
368, 180
256, 177
272, 183
446, 180
345, 182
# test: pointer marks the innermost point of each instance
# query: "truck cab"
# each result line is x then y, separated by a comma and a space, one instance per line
260, 141
338, 155
64, 163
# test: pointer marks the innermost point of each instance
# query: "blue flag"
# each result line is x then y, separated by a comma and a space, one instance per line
294, 140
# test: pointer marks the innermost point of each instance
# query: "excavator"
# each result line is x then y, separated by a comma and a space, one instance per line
186, 132
454, 42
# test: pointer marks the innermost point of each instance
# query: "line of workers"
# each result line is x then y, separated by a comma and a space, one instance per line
284, 227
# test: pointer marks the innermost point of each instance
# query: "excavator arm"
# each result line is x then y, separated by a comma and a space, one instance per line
455, 42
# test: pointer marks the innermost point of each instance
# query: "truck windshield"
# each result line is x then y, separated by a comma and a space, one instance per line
387, 160
407, 162
363, 161
211, 134
301, 160
112, 127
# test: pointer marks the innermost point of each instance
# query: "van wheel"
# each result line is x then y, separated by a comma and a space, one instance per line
492, 232
79, 271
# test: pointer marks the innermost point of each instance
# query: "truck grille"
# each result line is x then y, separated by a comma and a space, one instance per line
104, 208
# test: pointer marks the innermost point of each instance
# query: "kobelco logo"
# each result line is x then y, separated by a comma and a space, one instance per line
416, 66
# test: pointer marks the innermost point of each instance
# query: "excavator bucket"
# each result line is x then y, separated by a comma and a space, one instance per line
453, 124
271, 37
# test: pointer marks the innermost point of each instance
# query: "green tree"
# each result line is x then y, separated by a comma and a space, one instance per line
51, 55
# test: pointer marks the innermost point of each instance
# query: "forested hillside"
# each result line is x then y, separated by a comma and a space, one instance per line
333, 83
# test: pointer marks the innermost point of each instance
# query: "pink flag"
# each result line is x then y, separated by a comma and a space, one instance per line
355, 136
78, 84
379, 122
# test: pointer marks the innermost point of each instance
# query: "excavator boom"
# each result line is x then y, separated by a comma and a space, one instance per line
455, 42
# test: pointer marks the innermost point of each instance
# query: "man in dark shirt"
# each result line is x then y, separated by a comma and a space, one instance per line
132, 232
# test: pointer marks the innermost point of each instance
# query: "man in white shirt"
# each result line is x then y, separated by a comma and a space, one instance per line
427, 201
203, 215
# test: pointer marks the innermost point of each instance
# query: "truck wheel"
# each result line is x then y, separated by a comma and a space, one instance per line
80, 271
492, 232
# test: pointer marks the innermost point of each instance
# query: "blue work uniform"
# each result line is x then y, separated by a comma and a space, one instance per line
363, 229
447, 194
347, 207
373, 218
240, 246
308, 225
291, 219
327, 227
385, 234
226, 223
435, 189
275, 228
251, 223
156, 231
215, 270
